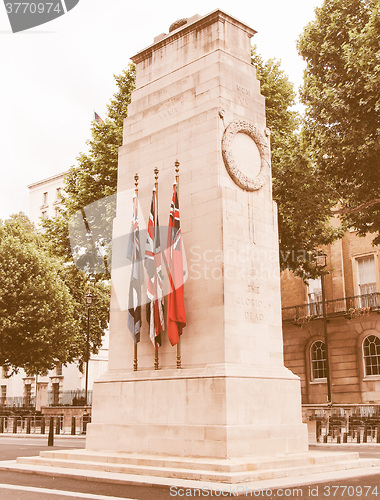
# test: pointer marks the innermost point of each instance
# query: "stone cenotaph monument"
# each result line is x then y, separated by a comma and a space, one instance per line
197, 100
230, 413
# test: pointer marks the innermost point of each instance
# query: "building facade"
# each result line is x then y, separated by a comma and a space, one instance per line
46, 198
350, 365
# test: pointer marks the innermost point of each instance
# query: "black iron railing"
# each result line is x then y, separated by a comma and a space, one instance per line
350, 307
17, 402
344, 423
69, 398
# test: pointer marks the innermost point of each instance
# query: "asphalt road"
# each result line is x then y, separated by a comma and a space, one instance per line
18, 486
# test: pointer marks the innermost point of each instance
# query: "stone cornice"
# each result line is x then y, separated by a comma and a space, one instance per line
198, 24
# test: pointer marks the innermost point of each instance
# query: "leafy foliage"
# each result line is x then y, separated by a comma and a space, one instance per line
95, 176
341, 93
38, 325
304, 206
92, 180
43, 318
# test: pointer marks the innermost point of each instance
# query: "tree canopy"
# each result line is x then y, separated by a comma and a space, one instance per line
341, 92
92, 180
38, 325
43, 318
304, 206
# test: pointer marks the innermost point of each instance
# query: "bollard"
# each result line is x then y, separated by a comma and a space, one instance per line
325, 438
51, 432
2, 425
358, 436
73, 426
344, 437
28, 425
42, 425
365, 434
338, 439
14, 425
378, 434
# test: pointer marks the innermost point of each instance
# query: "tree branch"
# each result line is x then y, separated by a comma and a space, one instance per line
362, 206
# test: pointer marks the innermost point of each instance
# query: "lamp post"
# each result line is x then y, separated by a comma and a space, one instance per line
89, 298
321, 263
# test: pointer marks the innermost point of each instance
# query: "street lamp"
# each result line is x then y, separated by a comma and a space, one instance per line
321, 263
89, 298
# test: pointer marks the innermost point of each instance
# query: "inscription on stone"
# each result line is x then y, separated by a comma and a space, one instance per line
171, 107
243, 90
255, 308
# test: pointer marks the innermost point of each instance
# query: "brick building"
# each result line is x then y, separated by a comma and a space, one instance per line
352, 288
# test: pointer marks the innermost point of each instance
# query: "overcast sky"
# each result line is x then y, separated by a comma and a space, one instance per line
53, 76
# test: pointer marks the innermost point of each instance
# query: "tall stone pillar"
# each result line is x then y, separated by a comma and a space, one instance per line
197, 100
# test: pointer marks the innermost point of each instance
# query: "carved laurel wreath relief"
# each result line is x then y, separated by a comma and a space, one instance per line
242, 180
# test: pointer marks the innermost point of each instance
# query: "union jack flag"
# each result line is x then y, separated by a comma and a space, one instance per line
176, 317
154, 308
134, 255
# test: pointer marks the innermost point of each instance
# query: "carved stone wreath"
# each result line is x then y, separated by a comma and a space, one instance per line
242, 180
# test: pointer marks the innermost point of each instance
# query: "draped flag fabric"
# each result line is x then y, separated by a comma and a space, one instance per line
154, 309
134, 255
176, 318
97, 118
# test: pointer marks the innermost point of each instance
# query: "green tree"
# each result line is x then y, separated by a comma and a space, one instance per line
341, 92
93, 179
38, 322
95, 176
304, 206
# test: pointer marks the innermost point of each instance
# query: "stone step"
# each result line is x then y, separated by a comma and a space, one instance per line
200, 474
233, 465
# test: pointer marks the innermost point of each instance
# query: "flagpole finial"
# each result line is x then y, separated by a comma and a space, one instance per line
156, 171
176, 164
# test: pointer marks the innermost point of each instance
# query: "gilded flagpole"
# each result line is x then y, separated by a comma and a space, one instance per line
135, 208
155, 229
179, 362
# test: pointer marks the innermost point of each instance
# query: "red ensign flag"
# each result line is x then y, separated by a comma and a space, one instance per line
176, 318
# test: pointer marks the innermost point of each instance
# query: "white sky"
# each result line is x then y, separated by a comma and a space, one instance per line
53, 76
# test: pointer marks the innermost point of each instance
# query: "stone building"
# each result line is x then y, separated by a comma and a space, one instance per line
46, 197
352, 286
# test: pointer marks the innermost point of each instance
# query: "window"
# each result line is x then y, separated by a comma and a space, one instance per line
366, 274
371, 355
45, 199
57, 211
44, 215
3, 395
58, 369
318, 360
5, 371
59, 194
27, 395
314, 297
55, 387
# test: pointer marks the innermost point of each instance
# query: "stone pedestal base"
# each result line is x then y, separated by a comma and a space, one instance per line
213, 474
217, 412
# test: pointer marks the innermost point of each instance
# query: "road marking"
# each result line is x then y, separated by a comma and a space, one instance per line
47, 491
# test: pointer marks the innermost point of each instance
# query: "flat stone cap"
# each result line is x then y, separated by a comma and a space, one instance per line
186, 25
